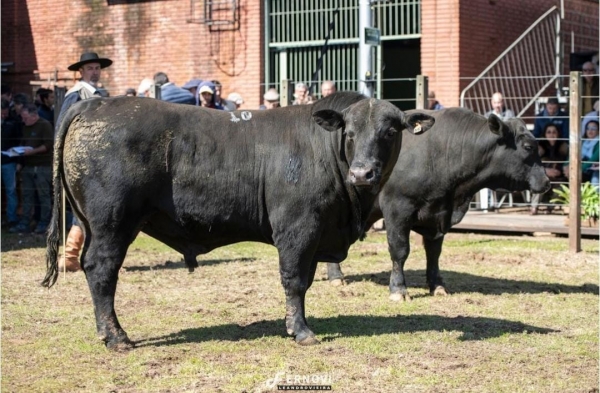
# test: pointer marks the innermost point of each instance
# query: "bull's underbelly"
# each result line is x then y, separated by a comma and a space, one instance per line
197, 237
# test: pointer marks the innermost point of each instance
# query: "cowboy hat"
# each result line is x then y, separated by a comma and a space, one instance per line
90, 57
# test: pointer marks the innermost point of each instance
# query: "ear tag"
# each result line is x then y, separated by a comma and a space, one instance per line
417, 128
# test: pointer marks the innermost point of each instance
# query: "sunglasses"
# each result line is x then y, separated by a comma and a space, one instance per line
592, 128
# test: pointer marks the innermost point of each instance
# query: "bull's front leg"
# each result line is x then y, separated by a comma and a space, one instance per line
334, 274
433, 249
101, 262
399, 248
296, 277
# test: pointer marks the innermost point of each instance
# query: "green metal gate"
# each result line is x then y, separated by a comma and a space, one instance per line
296, 30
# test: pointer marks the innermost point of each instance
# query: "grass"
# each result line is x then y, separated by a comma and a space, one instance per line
523, 317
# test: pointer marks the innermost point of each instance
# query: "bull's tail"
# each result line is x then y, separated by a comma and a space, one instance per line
53, 238
53, 235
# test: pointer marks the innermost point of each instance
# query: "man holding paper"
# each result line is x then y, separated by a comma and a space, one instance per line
36, 175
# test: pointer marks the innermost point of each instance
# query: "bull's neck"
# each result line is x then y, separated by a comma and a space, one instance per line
361, 199
473, 172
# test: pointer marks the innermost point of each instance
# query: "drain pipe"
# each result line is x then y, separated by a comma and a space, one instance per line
365, 52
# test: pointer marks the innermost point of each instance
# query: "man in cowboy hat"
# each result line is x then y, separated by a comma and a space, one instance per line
90, 67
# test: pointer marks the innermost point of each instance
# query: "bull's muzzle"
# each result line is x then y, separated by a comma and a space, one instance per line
361, 175
539, 182
541, 187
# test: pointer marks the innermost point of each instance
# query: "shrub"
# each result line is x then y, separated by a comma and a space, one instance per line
590, 199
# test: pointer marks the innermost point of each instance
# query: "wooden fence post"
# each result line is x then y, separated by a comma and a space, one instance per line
575, 162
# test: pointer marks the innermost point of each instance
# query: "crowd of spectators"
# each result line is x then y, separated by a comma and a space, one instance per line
28, 121
551, 127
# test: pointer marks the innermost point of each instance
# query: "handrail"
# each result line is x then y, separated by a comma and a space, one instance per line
514, 61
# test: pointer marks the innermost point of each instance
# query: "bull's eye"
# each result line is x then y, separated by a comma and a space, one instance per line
528, 147
391, 132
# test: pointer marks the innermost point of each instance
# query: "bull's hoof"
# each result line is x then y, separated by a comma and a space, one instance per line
396, 297
338, 282
305, 340
440, 291
120, 347
120, 344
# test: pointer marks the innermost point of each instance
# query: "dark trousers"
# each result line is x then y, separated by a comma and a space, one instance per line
36, 179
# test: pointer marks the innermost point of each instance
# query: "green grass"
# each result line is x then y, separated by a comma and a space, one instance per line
523, 317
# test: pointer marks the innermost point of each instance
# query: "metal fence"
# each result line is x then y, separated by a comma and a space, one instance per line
296, 31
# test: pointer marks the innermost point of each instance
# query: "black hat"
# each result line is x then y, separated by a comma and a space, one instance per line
90, 57
552, 100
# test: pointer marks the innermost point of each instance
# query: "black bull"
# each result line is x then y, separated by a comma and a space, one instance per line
198, 179
436, 177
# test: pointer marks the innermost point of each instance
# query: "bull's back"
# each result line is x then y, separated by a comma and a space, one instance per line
196, 167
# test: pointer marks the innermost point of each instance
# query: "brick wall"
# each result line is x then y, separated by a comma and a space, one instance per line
461, 38
141, 38
580, 28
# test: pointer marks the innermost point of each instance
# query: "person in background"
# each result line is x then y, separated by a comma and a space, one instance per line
589, 154
552, 113
589, 88
327, 88
130, 92
19, 101
301, 96
192, 86
36, 175
206, 96
90, 67
593, 115
46, 106
271, 99
236, 98
171, 93
498, 108
143, 89
218, 98
11, 137
434, 104
6, 93
554, 154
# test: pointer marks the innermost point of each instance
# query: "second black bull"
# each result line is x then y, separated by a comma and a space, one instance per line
436, 177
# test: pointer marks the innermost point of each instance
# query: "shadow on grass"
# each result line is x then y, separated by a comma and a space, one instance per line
23, 241
463, 283
181, 264
472, 328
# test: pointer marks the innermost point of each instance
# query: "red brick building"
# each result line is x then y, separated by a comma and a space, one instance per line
457, 39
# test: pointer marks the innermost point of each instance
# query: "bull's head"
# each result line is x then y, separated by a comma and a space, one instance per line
372, 137
520, 160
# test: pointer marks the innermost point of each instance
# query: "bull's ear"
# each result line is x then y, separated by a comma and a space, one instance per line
417, 123
329, 119
496, 125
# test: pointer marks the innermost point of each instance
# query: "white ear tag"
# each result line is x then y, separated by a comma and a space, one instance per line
417, 128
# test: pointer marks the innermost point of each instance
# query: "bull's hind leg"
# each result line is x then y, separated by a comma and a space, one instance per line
103, 257
334, 274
